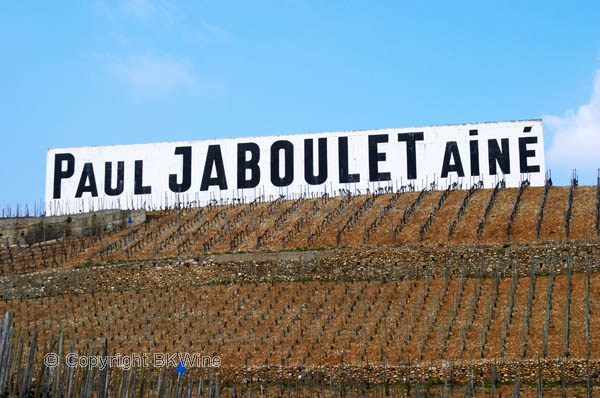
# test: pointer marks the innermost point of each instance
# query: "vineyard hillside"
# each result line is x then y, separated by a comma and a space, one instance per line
354, 295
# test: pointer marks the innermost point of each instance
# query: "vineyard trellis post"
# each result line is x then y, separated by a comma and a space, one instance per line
568, 308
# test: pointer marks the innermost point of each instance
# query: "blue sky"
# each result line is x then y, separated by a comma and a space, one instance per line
78, 73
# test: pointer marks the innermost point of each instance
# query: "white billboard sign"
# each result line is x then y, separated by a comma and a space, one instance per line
244, 169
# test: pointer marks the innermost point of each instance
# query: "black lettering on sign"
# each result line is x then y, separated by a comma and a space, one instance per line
59, 174
309, 169
248, 164
525, 153
474, 146
502, 157
87, 175
452, 153
345, 176
186, 178
288, 150
376, 157
213, 159
108, 189
139, 188
411, 152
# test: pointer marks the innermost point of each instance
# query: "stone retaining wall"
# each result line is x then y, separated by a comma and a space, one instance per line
575, 370
30, 230
396, 263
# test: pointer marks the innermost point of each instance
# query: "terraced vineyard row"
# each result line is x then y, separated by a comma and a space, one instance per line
467, 217
311, 323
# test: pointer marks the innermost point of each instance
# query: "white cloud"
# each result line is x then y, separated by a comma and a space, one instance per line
146, 9
576, 137
139, 8
153, 74
142, 10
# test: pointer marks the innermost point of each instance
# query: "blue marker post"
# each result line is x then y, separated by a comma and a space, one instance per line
181, 368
